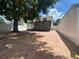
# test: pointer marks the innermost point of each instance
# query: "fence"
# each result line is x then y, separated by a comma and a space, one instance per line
39, 26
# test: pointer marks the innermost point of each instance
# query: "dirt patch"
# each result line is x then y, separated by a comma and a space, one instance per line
33, 45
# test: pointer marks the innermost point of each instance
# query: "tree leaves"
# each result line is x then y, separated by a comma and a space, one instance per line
24, 8
44, 4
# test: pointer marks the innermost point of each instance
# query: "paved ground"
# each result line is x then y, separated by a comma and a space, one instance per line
33, 45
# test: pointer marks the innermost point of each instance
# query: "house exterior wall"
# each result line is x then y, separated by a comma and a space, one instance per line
69, 25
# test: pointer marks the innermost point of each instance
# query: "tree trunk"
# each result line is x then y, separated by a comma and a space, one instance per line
15, 26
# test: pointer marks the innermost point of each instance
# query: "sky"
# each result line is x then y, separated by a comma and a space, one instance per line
60, 8
64, 5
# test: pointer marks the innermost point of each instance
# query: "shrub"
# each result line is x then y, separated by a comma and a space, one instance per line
76, 57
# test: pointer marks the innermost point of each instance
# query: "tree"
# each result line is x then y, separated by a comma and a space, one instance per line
26, 9
56, 22
44, 4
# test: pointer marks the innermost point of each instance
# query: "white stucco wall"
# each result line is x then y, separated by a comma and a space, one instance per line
5, 27
69, 25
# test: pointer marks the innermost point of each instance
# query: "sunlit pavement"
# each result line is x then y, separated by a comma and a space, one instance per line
33, 45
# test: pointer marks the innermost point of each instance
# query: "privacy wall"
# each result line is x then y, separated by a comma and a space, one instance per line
69, 24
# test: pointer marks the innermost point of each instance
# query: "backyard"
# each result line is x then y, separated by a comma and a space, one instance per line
36, 45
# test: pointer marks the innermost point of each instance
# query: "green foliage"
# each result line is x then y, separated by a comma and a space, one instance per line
44, 4
76, 57
56, 22
18, 9
26, 9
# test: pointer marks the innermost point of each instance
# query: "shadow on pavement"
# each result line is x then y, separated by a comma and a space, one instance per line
25, 45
